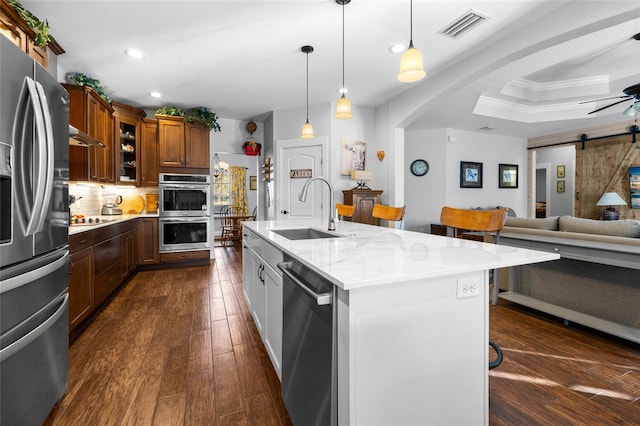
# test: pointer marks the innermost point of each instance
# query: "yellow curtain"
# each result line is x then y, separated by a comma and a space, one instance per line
238, 188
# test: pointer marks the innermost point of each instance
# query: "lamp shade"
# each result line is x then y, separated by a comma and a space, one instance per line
307, 131
343, 108
411, 68
611, 199
361, 175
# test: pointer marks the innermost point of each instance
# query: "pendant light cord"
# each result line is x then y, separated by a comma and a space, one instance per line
307, 53
343, 49
411, 23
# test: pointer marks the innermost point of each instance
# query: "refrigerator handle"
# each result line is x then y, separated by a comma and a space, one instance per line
33, 275
32, 225
48, 148
18, 345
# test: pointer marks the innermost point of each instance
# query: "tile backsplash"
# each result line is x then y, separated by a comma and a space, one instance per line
90, 197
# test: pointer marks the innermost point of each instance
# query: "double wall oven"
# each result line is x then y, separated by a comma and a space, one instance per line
185, 203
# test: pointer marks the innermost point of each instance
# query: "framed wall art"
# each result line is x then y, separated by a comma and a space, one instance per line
634, 185
507, 175
470, 174
560, 186
352, 155
253, 183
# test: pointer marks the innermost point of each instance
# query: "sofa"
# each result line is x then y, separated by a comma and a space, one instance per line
595, 283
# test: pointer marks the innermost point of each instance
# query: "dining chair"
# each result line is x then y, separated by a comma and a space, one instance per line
464, 223
390, 214
345, 210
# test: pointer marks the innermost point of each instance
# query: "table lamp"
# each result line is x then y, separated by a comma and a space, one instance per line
611, 199
361, 177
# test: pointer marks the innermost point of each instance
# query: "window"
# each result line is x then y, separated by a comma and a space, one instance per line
221, 192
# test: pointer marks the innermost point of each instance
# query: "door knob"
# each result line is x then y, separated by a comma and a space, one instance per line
284, 212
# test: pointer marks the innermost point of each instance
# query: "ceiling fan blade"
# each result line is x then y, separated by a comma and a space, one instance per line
605, 99
610, 105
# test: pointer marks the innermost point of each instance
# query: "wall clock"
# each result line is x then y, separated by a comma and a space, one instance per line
419, 168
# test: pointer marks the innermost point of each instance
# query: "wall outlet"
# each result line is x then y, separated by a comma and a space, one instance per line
467, 288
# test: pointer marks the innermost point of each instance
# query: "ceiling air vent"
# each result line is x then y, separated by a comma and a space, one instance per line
463, 24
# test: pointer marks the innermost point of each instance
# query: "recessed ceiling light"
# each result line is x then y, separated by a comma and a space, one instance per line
343, 90
134, 53
397, 48
155, 94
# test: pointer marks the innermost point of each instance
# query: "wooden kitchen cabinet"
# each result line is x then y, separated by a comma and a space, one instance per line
129, 248
182, 145
16, 29
364, 200
148, 245
196, 145
149, 173
91, 114
127, 141
80, 278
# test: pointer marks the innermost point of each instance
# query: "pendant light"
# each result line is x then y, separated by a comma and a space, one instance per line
307, 128
411, 68
343, 106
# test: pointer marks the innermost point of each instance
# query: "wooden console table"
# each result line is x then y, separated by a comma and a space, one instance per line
364, 200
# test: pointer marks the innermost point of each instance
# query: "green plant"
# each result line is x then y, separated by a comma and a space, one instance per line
171, 111
197, 114
84, 80
42, 37
208, 117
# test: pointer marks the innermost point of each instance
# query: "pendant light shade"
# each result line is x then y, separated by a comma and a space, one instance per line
307, 128
411, 68
343, 106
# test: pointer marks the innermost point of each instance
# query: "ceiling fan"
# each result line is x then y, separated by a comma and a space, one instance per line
631, 92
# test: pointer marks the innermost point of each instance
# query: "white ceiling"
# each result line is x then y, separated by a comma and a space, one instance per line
524, 70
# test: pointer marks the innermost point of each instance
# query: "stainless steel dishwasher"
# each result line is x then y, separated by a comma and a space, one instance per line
309, 376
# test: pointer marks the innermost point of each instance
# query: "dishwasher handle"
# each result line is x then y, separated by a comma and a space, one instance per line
321, 299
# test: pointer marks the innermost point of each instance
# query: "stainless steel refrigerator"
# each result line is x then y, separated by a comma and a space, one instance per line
34, 251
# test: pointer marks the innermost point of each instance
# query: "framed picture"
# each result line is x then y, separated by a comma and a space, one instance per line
560, 172
470, 174
634, 185
253, 183
352, 155
507, 175
560, 186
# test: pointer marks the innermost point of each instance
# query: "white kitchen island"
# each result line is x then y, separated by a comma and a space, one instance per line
412, 317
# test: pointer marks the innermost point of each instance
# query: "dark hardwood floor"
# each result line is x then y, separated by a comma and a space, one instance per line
178, 347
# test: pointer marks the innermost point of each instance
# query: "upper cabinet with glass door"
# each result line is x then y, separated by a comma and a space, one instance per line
127, 144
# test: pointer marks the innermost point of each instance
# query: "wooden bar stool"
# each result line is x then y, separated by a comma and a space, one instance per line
345, 210
389, 213
462, 221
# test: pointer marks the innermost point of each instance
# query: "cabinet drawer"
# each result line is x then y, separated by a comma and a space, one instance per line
80, 241
127, 226
105, 283
106, 254
272, 256
106, 232
183, 256
252, 240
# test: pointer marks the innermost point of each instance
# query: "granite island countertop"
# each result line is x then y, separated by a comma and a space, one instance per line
368, 255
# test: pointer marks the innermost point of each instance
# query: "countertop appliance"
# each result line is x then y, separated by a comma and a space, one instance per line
309, 349
34, 251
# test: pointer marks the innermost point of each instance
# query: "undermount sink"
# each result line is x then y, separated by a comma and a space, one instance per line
304, 234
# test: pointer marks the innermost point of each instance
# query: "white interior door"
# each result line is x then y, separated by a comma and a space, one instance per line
302, 157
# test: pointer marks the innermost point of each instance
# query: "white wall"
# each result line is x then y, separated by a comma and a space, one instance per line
443, 149
287, 124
